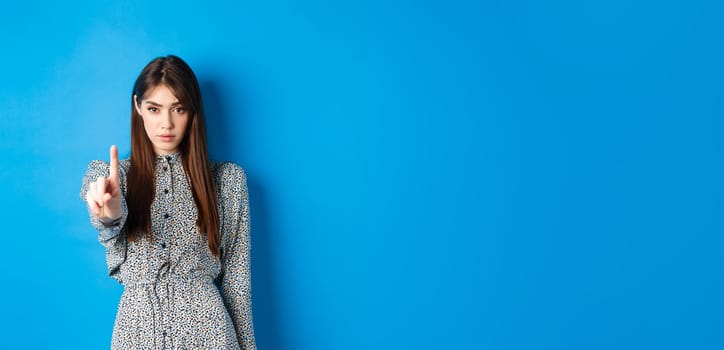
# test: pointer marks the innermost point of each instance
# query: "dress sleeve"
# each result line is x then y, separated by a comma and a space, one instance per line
109, 236
235, 281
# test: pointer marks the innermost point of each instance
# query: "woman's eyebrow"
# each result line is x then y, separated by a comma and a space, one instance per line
160, 105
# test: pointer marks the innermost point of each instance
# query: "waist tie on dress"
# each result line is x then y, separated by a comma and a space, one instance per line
175, 278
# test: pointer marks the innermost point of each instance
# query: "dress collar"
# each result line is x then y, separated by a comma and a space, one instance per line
171, 157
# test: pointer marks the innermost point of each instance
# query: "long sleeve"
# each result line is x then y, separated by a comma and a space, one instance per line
109, 236
235, 281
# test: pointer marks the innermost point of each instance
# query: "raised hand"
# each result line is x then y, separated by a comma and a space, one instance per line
104, 194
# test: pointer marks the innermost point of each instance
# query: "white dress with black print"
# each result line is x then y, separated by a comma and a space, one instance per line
177, 295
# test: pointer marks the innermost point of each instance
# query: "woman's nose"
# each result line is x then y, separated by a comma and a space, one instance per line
167, 121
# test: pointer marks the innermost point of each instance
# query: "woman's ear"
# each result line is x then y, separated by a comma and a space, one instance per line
137, 105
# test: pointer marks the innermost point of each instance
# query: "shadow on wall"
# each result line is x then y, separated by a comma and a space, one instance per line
264, 296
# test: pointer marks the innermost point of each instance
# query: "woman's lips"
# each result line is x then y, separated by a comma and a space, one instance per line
166, 138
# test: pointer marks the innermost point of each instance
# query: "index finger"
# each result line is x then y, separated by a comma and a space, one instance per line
114, 162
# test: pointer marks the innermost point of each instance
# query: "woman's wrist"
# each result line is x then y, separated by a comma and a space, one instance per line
109, 221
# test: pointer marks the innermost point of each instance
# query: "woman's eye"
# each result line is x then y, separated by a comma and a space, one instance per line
153, 109
179, 110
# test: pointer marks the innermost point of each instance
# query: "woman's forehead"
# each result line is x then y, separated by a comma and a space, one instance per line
160, 95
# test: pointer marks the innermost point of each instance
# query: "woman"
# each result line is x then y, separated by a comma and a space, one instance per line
175, 226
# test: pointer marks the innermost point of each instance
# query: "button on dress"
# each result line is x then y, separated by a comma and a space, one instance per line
177, 295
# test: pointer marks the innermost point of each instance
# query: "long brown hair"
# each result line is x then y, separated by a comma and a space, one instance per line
174, 73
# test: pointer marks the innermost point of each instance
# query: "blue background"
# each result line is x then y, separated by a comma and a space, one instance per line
423, 175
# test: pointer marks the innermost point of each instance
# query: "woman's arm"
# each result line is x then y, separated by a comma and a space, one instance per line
235, 276
109, 233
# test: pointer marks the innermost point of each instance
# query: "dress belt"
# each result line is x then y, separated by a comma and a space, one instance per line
170, 278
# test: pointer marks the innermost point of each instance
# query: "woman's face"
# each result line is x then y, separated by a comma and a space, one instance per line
164, 119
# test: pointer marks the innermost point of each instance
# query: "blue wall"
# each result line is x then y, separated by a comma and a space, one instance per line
423, 175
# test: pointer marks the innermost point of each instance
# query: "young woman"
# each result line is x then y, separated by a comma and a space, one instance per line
175, 225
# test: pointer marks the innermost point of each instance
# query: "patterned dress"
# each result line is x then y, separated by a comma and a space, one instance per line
176, 294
